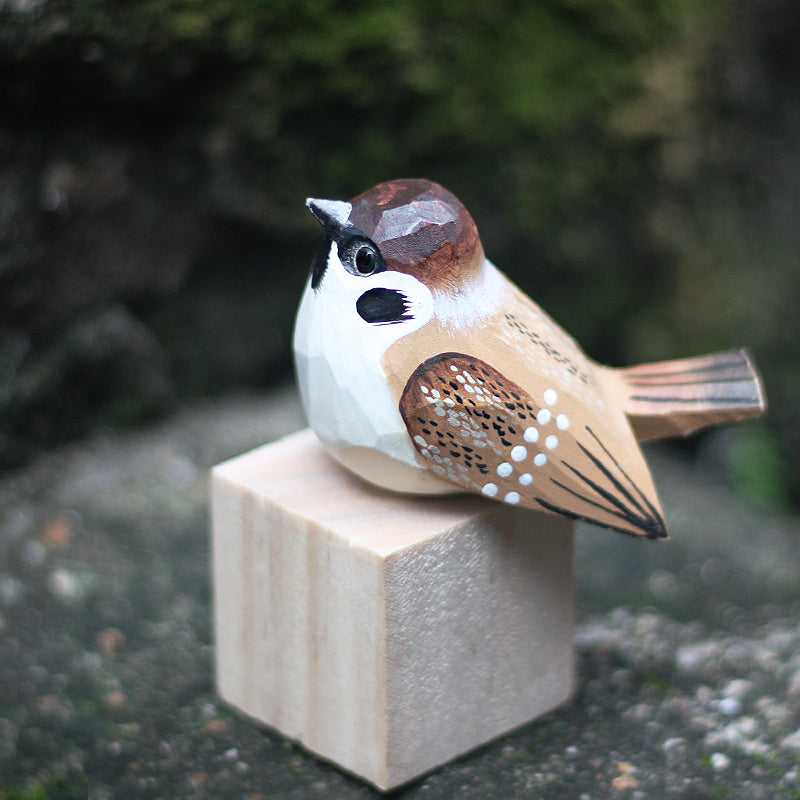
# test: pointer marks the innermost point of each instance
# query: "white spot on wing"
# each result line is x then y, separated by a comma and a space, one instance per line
518, 453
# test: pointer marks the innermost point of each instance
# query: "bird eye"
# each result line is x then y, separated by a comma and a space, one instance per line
361, 257
365, 260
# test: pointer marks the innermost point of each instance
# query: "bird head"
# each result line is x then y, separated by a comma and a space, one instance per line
402, 241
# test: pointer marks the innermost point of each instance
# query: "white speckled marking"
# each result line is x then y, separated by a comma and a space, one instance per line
540, 459
505, 469
562, 422
531, 434
551, 442
518, 453
512, 498
550, 397
526, 478
543, 417
489, 489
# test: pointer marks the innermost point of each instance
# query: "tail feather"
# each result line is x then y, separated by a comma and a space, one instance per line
672, 398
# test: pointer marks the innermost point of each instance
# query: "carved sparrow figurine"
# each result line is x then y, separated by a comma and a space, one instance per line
423, 369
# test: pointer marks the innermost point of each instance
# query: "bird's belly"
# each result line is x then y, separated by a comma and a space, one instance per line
352, 411
381, 470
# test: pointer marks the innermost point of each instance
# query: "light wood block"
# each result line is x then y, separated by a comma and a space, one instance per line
385, 633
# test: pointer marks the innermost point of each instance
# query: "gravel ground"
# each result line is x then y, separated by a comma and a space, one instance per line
689, 650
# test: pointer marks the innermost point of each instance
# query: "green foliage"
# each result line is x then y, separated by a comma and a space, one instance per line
758, 468
55, 788
367, 89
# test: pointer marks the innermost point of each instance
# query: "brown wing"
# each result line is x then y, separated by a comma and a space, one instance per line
480, 430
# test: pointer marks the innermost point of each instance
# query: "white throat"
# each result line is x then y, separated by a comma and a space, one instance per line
344, 389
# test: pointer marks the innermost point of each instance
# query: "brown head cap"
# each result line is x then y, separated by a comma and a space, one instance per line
421, 229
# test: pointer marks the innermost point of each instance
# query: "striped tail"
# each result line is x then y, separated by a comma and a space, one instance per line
673, 398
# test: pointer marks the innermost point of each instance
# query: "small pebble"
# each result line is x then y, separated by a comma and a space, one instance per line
110, 641
673, 743
34, 553
792, 741
59, 530
730, 706
10, 590
719, 761
215, 726
622, 782
65, 585
115, 699
738, 688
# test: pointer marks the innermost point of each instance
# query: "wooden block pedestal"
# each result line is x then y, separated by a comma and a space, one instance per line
384, 633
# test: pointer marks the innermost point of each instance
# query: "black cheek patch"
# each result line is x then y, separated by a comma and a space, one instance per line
383, 306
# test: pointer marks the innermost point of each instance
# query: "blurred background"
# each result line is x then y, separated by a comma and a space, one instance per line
634, 165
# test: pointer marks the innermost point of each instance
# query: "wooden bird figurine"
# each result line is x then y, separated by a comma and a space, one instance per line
424, 369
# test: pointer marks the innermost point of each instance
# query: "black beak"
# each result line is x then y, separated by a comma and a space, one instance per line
331, 214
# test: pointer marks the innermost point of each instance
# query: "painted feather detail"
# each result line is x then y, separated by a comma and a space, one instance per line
671, 398
620, 496
475, 427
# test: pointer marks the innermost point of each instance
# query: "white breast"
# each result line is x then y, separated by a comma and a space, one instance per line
342, 384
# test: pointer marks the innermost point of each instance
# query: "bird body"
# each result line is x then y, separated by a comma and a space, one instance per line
424, 369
